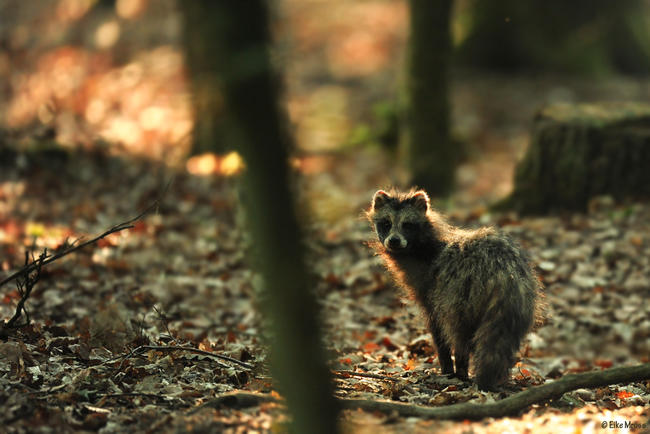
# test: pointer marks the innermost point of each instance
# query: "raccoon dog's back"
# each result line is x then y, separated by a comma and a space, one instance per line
484, 287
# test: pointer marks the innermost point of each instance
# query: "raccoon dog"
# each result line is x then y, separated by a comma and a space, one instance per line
476, 287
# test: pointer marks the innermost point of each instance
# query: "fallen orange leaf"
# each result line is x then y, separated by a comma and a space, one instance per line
411, 364
624, 394
370, 347
603, 363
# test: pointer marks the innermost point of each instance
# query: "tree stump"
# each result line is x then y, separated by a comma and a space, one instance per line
579, 151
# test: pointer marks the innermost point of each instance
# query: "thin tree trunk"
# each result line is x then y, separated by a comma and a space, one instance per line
210, 130
430, 156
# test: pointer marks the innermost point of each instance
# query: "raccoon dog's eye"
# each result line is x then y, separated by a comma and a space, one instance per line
383, 225
410, 226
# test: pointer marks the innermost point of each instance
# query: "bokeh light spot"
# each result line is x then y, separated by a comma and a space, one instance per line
107, 34
204, 164
130, 9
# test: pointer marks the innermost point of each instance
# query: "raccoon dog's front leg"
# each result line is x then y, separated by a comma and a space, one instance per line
444, 353
461, 354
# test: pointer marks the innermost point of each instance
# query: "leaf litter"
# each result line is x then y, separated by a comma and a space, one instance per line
180, 279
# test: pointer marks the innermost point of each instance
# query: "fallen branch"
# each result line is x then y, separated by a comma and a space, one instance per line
512, 404
505, 407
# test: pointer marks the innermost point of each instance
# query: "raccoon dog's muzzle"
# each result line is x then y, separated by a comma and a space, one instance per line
395, 242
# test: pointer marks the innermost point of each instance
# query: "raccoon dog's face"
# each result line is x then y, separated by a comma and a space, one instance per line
399, 219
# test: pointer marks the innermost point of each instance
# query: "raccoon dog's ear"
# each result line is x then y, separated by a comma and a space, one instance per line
380, 199
420, 200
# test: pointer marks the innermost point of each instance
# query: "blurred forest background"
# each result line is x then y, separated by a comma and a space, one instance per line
102, 102
112, 73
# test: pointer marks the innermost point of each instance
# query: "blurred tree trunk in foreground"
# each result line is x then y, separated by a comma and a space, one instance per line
239, 42
581, 151
210, 133
430, 155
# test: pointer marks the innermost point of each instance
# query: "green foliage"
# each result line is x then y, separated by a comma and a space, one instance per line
360, 135
386, 114
382, 130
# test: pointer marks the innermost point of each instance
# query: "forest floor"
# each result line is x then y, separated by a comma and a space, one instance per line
101, 352
179, 278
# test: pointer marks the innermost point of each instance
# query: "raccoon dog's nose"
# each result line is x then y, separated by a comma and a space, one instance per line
394, 242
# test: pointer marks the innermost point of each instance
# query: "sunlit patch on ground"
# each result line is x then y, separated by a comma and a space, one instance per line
211, 164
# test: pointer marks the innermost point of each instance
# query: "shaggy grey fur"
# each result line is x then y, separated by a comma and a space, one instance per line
476, 287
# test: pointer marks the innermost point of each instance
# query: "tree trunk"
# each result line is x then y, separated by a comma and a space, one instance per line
430, 156
210, 132
240, 32
581, 151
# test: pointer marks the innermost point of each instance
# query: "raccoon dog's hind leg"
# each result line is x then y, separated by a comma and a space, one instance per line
461, 354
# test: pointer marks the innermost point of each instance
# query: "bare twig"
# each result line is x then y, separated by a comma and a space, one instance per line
189, 349
135, 394
28, 268
26, 282
237, 400
163, 320
505, 407
346, 373
25, 285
